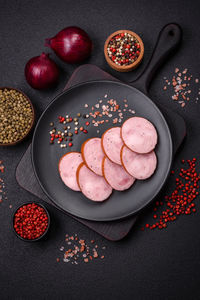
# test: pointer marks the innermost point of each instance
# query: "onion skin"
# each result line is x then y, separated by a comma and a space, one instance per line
41, 72
72, 44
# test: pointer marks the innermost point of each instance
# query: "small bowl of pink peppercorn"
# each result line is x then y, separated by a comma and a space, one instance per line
124, 50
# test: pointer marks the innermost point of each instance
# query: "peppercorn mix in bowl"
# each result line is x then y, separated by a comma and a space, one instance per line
16, 116
31, 221
123, 50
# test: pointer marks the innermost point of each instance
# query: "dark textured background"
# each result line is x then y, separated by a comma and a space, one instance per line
145, 265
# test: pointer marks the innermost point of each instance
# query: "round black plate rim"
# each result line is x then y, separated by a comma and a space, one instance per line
170, 144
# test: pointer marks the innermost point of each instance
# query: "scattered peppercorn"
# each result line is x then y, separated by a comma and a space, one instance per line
109, 108
181, 200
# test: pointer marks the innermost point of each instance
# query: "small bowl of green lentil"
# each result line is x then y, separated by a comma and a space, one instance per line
17, 116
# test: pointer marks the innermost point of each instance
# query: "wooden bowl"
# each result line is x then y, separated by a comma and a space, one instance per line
33, 116
128, 67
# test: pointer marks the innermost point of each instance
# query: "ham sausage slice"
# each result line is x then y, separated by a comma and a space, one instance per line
112, 143
139, 135
116, 175
93, 186
68, 165
140, 166
93, 155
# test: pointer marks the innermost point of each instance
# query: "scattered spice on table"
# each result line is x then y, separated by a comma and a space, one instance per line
183, 86
104, 111
79, 250
2, 183
181, 201
123, 49
30, 221
16, 116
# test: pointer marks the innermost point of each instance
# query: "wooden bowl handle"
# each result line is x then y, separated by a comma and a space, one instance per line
168, 40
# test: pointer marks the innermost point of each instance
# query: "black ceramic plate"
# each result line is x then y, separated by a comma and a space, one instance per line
45, 157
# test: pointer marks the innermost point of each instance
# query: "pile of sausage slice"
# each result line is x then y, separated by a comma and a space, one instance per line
114, 161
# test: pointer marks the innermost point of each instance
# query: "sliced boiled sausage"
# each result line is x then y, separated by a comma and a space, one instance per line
67, 167
116, 175
93, 155
93, 186
112, 143
139, 135
140, 166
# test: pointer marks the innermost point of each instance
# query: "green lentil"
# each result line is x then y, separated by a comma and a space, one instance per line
16, 116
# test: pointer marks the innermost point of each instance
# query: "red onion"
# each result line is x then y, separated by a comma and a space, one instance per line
41, 72
71, 44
